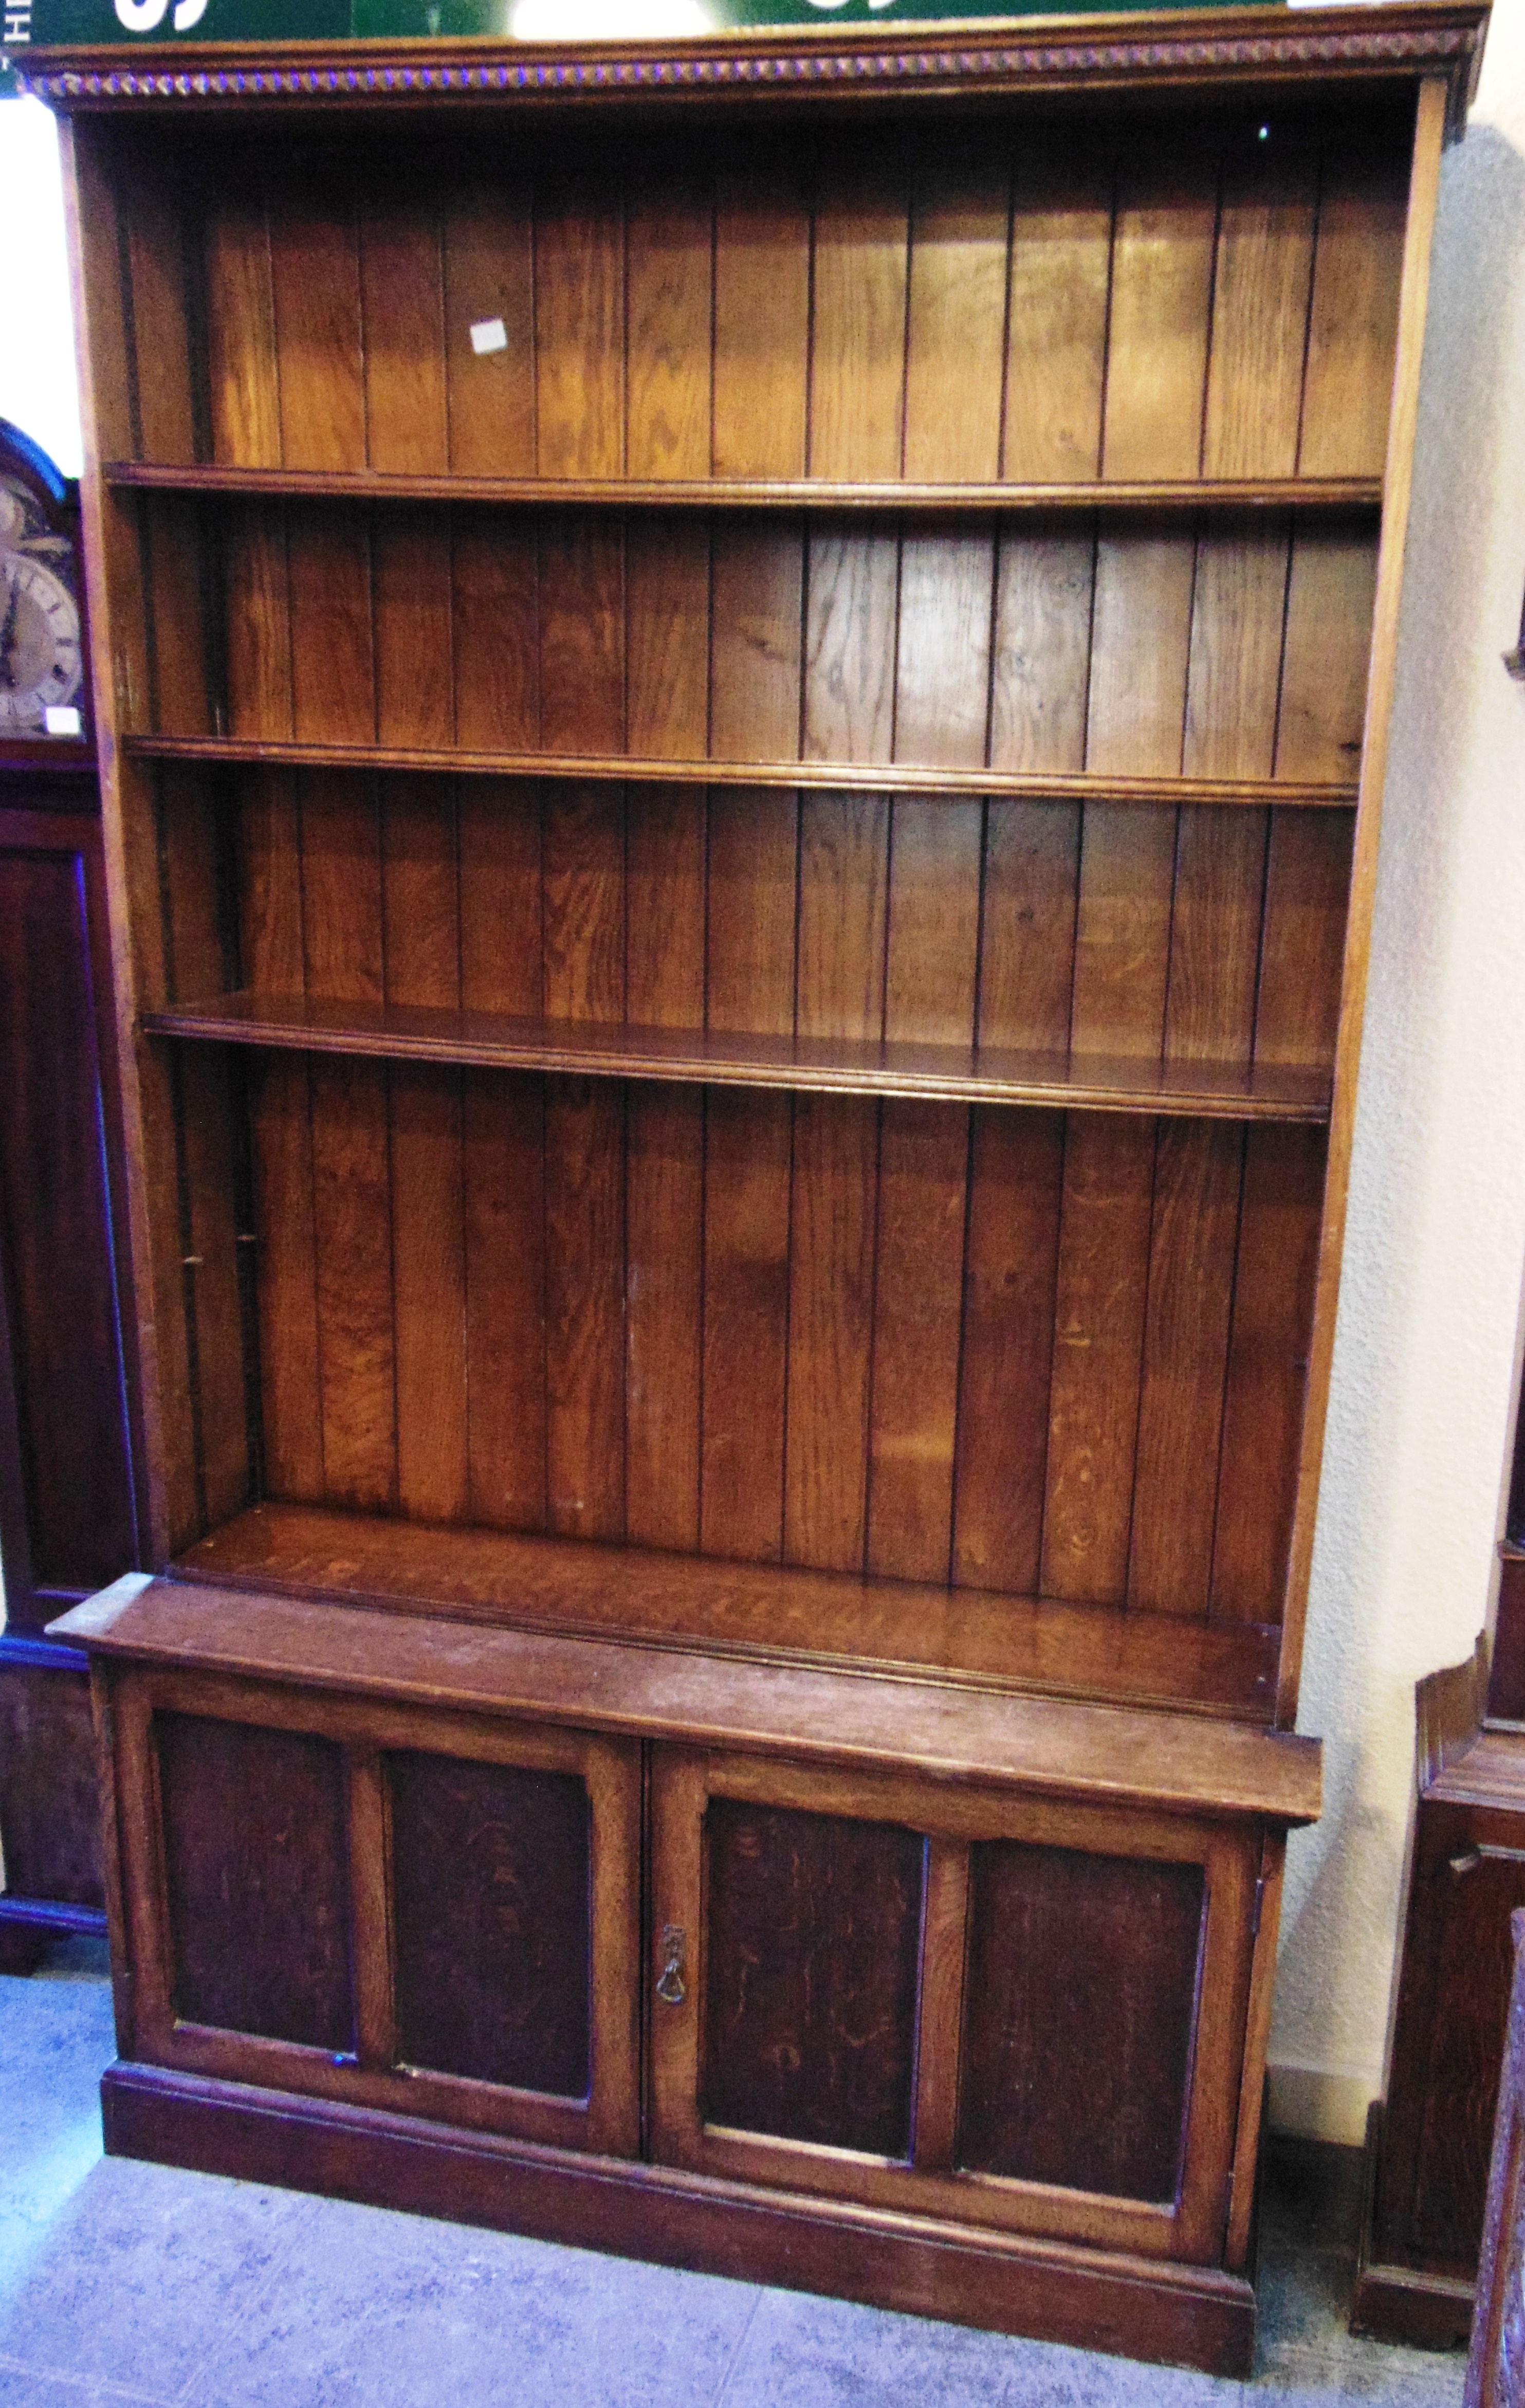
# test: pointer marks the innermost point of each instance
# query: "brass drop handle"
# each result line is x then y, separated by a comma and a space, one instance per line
671, 1987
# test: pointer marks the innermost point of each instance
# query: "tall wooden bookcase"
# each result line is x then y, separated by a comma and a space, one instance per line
732, 686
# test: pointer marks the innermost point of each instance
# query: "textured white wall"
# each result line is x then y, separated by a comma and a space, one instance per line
1426, 1343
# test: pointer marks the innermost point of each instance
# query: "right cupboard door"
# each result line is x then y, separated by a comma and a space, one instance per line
950, 2001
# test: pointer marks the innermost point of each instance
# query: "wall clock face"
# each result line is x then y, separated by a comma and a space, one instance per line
41, 666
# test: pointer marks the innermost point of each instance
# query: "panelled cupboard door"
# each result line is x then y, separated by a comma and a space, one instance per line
437, 1914
960, 2002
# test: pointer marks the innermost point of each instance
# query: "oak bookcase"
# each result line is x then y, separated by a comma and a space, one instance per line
731, 686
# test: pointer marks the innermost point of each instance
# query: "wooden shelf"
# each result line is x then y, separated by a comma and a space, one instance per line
836, 777
953, 1073
757, 493
873, 1629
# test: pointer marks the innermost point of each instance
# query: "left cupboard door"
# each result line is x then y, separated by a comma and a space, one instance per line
433, 1913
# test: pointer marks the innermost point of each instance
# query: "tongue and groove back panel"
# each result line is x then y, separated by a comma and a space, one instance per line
1033, 1351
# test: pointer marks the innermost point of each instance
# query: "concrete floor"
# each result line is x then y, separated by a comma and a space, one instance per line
124, 2282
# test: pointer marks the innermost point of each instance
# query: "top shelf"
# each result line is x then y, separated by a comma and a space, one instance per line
759, 493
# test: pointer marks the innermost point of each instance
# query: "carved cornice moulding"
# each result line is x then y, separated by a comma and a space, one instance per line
1251, 45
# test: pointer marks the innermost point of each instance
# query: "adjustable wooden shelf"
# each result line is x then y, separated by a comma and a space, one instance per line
741, 911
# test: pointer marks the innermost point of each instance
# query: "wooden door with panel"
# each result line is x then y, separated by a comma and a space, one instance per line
378, 1905
967, 2002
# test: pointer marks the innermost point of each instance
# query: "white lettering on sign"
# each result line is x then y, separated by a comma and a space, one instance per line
18, 25
489, 334
146, 16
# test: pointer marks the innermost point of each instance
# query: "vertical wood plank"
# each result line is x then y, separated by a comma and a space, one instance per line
745, 1322
1101, 1294
157, 268
669, 254
585, 1290
1267, 1371
402, 271
1196, 1208
1353, 327
1330, 598
1261, 291
257, 611
341, 886
955, 349
1027, 948
180, 670
1139, 649
1122, 928
505, 1176
490, 273
1044, 577
420, 889
332, 651
411, 602
831, 1306
933, 931
208, 1159
430, 1283
502, 938
667, 643
495, 633
1056, 351
1017, 1166
579, 324
757, 602
281, 1129
583, 839
1238, 608
243, 378
918, 1296
849, 646
664, 1298
858, 324
582, 636
761, 322
1216, 933
314, 272
1307, 889
844, 875
943, 648
664, 908
753, 883
1157, 355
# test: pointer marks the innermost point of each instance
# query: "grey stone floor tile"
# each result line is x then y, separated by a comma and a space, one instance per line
1304, 2298
1367, 2373
140, 2273
55, 2037
392, 2308
22, 2386
804, 2352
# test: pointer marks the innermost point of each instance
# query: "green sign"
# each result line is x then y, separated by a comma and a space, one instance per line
90, 23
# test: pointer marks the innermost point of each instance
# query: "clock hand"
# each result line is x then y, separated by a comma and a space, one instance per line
8, 634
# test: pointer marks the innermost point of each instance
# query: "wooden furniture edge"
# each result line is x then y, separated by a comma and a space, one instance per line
1093, 2300
1396, 2303
1448, 1713
929, 1072
1106, 1754
1086, 53
1429, 137
854, 777
736, 492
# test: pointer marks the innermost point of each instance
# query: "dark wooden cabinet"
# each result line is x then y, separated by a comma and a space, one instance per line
748, 695
1496, 2364
68, 1507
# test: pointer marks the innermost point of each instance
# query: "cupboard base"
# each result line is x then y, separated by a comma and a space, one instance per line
1132, 2307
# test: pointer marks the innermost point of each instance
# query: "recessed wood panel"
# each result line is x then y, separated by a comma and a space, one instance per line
1078, 2033
812, 1926
492, 1914
253, 1826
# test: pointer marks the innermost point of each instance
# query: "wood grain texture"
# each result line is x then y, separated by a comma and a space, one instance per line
1330, 598
501, 1852
1041, 671
1261, 287
242, 372
665, 1174
315, 276
918, 1312
748, 1157
750, 938
1061, 1946
667, 640
429, 1283
1214, 938
1139, 649
932, 949
333, 639
943, 650
849, 646
1122, 928
258, 624
1353, 326
585, 1316
1237, 607
1186, 1341
831, 1319
1016, 1165
1307, 884
503, 1174
955, 338
495, 632
1099, 1317
580, 331
1162, 291
402, 283
761, 322
411, 599
489, 272
582, 636
844, 875
1027, 950
670, 304
757, 601
811, 1964
858, 321
1056, 351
